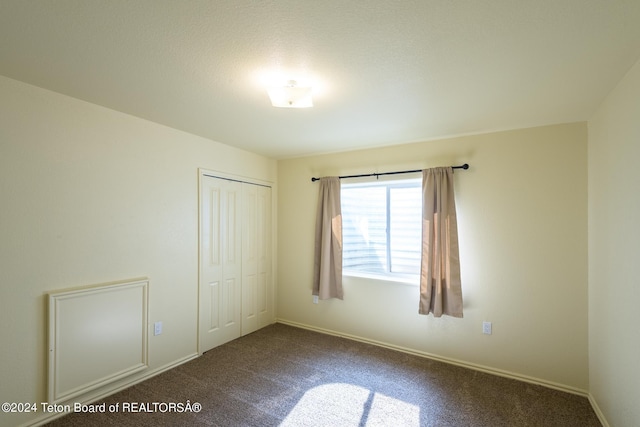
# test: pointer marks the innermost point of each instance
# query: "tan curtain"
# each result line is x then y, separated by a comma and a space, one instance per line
327, 276
440, 288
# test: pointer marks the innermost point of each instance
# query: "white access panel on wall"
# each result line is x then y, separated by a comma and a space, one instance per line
97, 335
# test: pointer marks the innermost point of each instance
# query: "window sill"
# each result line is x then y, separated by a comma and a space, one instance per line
395, 278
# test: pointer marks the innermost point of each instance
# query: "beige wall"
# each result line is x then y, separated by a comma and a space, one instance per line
522, 210
614, 247
90, 195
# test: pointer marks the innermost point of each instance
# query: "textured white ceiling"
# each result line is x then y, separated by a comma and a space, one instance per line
390, 71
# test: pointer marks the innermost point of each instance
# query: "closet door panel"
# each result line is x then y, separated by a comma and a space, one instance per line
265, 294
249, 258
220, 262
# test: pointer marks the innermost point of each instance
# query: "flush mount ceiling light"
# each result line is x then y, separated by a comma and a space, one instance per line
291, 95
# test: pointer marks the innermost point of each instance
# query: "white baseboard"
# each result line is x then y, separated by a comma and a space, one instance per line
90, 398
597, 410
461, 363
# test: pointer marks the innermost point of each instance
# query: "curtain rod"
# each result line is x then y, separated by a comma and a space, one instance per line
465, 167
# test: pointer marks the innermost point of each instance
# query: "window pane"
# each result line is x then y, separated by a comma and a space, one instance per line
364, 229
405, 229
381, 226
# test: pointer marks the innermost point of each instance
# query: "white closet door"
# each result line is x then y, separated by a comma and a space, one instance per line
220, 262
249, 258
257, 290
265, 297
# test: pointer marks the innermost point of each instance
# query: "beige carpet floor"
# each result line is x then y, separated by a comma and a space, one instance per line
281, 375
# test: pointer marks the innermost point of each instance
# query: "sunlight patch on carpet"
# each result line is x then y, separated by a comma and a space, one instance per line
388, 411
350, 405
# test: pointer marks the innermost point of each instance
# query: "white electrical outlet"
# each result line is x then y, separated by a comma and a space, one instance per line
486, 328
157, 328
315, 299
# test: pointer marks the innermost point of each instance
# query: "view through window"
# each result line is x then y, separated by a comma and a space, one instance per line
381, 227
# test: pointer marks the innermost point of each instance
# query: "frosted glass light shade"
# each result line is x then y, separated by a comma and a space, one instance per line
291, 96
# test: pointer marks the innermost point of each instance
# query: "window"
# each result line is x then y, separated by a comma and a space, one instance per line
382, 228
